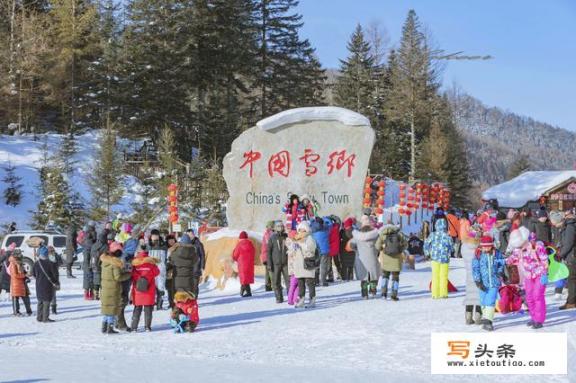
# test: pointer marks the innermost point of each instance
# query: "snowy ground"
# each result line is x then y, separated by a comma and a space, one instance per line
345, 339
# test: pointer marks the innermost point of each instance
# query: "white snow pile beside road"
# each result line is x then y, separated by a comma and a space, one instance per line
528, 186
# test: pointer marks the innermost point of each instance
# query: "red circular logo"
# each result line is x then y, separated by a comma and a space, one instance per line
572, 188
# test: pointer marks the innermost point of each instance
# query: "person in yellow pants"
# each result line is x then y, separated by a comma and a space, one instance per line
439, 246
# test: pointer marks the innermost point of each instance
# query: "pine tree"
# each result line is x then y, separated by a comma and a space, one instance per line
166, 156
521, 165
105, 179
12, 192
66, 152
286, 63
215, 194
412, 87
146, 205
355, 86
54, 208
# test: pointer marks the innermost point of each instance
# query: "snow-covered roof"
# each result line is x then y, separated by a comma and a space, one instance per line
323, 113
528, 186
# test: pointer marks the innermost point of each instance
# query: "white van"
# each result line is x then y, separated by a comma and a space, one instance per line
51, 238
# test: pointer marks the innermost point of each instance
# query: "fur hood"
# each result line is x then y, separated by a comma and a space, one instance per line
142, 260
183, 296
113, 261
362, 236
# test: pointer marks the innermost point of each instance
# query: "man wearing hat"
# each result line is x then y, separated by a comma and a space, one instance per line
46, 276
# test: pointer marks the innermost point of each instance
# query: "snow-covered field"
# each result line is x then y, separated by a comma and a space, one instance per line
344, 339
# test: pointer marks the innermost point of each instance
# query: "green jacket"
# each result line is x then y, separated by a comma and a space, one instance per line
112, 278
391, 262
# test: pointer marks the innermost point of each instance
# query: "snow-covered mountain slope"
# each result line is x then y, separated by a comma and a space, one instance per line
344, 339
26, 153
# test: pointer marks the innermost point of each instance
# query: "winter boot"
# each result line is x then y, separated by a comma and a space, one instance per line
279, 296
110, 329
248, 291
384, 288
97, 294
104, 327
86, 295
537, 325
372, 288
40, 311
159, 300
46, 312
148, 318
90, 295
16, 307
394, 295
135, 318
530, 323
242, 290
300, 303
311, 304
469, 319
487, 326
364, 289
122, 320
477, 315
54, 311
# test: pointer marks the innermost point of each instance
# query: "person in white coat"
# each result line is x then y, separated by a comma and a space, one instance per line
302, 253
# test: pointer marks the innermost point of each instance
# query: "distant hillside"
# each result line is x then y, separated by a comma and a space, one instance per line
496, 138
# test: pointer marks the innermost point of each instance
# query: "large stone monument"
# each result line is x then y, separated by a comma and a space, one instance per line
322, 152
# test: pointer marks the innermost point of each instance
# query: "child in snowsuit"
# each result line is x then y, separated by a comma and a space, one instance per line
18, 283
439, 246
488, 268
144, 272
184, 317
532, 257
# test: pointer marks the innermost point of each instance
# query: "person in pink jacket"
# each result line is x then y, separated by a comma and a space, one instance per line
264, 253
244, 254
532, 258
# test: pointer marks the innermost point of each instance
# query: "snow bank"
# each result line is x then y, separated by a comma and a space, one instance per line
25, 153
528, 186
320, 113
229, 233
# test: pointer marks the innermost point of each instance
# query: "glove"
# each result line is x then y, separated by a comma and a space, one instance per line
544, 279
481, 286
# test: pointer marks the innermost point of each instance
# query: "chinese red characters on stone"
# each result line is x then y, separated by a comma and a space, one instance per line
280, 163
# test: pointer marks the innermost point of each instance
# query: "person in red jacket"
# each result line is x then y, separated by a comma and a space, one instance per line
243, 254
144, 272
334, 239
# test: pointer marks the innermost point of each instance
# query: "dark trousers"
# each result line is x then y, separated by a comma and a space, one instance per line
69, 269
280, 272
170, 290
302, 283
16, 305
268, 279
571, 282
43, 311
347, 273
147, 317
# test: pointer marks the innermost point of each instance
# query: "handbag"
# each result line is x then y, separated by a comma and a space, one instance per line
55, 285
312, 263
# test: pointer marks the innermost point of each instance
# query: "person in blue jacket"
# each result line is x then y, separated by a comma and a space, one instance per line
320, 228
488, 269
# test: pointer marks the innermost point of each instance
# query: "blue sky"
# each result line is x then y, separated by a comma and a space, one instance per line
533, 42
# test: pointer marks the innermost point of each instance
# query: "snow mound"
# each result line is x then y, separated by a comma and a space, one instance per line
229, 233
326, 113
528, 186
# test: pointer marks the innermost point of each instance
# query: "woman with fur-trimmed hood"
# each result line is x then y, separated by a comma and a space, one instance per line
367, 266
113, 275
144, 273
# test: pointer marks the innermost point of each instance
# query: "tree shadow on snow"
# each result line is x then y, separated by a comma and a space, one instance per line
553, 318
26, 380
236, 298
14, 335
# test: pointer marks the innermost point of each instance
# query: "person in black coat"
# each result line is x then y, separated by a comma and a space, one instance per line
46, 275
57, 261
88, 283
199, 249
71, 248
568, 255
186, 266
4, 276
541, 226
98, 248
277, 264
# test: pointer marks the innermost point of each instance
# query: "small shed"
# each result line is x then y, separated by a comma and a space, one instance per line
556, 190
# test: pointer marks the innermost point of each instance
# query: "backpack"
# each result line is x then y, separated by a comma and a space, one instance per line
392, 244
142, 284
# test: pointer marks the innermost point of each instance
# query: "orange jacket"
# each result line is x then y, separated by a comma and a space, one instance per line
453, 226
17, 277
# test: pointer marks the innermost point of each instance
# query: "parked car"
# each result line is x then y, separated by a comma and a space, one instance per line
51, 238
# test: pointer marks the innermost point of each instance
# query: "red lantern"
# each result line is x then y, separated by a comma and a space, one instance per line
379, 210
367, 201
